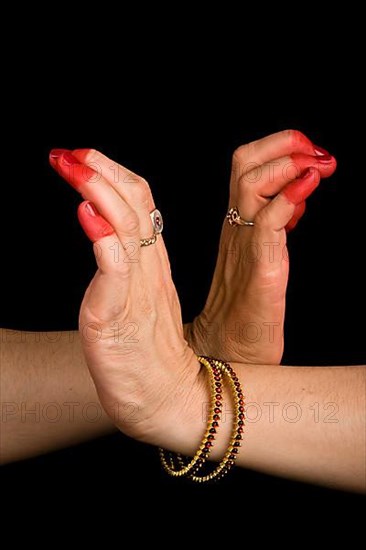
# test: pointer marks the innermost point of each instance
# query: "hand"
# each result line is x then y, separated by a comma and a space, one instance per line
244, 314
130, 318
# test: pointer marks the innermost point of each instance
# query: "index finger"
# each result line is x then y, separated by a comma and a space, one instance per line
274, 146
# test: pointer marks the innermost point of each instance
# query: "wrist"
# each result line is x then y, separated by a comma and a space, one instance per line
196, 336
188, 334
189, 422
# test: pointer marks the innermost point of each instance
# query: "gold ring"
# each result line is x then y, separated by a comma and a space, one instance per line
158, 225
233, 217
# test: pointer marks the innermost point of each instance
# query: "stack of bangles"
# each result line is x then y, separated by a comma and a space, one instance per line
177, 465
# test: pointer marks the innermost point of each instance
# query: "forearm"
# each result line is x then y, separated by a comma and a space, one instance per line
302, 422
48, 399
306, 423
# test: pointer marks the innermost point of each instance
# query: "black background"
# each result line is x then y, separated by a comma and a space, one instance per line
177, 125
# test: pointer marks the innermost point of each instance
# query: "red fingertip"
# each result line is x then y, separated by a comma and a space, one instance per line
320, 152
81, 154
299, 210
93, 223
291, 225
55, 154
75, 173
298, 214
300, 141
326, 165
300, 189
324, 161
324, 158
68, 159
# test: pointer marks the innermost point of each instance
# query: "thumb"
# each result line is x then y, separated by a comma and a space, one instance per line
277, 214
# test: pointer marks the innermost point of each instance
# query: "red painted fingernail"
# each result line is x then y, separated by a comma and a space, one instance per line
91, 210
325, 159
69, 159
56, 153
322, 154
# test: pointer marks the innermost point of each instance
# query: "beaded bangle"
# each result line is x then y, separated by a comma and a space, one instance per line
232, 452
217, 369
167, 458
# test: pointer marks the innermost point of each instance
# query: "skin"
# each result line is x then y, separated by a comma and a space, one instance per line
284, 434
48, 399
159, 372
250, 279
244, 314
331, 402
99, 229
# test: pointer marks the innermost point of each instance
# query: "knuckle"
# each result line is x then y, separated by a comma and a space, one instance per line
92, 155
243, 158
141, 191
131, 224
241, 153
244, 185
264, 218
293, 136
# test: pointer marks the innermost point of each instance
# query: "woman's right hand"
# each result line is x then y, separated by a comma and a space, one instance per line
130, 321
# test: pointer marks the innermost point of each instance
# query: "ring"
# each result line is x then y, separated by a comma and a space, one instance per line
158, 225
233, 217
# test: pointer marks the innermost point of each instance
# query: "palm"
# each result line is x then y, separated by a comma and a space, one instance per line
244, 314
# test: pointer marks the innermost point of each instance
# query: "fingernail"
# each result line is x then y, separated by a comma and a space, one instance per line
322, 154
69, 159
56, 153
91, 210
306, 173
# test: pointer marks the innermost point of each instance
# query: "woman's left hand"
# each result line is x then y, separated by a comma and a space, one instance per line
244, 315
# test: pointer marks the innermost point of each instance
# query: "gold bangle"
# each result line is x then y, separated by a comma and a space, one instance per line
217, 369
196, 463
232, 451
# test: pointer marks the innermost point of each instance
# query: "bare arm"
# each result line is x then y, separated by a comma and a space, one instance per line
48, 399
306, 423
160, 374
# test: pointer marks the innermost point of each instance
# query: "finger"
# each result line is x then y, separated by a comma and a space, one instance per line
96, 189
254, 189
94, 225
299, 190
109, 287
111, 170
107, 247
120, 215
291, 225
268, 179
298, 213
271, 147
56, 154
134, 189
278, 213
